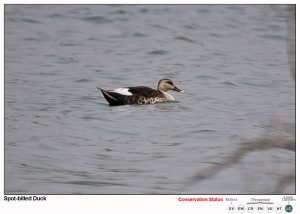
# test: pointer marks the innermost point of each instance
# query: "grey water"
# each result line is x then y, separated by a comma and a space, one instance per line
234, 62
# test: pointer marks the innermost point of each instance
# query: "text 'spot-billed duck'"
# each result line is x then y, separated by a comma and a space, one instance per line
140, 95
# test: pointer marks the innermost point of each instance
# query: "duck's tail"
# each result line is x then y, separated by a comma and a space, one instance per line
109, 96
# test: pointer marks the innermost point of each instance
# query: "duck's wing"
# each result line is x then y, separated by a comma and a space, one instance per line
143, 91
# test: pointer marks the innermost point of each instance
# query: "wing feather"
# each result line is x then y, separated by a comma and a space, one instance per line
144, 91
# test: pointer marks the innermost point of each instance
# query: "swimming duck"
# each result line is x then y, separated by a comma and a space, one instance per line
140, 95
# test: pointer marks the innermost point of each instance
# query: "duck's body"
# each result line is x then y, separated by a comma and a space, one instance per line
140, 95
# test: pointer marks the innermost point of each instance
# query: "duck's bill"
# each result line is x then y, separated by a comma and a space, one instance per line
178, 90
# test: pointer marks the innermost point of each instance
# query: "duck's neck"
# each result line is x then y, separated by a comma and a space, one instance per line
168, 96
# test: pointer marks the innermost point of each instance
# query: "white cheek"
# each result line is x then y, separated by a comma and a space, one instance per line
123, 91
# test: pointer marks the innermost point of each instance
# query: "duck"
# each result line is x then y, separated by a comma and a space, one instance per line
141, 95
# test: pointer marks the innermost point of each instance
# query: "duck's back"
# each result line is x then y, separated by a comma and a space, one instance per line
144, 92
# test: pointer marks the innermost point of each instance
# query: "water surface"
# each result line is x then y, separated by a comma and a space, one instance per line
61, 136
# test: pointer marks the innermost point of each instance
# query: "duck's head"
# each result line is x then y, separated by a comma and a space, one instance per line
165, 85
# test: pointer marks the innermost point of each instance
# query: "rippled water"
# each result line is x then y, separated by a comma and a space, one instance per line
61, 136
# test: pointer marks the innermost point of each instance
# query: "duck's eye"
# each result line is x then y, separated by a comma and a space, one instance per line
169, 82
